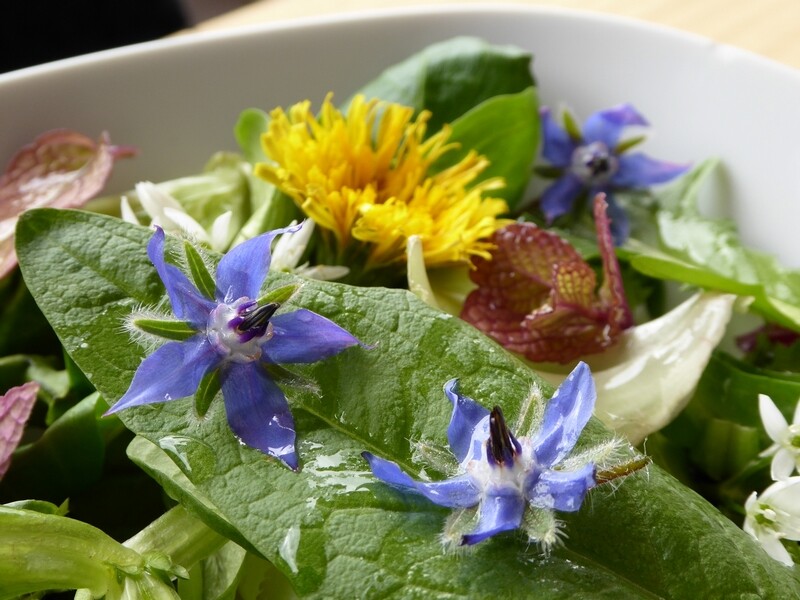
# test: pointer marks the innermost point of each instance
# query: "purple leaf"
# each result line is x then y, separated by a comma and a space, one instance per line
59, 169
15, 408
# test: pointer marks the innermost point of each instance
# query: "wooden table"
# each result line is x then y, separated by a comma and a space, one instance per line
767, 27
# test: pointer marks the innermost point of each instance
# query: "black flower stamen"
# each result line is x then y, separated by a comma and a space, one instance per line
594, 163
502, 446
256, 320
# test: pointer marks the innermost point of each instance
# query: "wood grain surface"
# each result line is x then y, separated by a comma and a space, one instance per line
770, 28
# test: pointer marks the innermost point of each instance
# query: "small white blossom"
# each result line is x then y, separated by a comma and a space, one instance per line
786, 449
775, 516
166, 212
289, 250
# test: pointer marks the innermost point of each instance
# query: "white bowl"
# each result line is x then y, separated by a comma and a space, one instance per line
178, 99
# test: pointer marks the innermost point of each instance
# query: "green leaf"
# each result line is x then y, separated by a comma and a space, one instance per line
48, 552
169, 461
260, 580
332, 528
277, 210
505, 129
47, 508
68, 457
216, 577
16, 307
451, 77
729, 390
708, 253
251, 124
183, 538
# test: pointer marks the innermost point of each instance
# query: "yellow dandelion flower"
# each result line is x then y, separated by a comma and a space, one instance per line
365, 176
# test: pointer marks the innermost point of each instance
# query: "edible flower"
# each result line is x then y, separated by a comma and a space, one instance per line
785, 451
369, 176
538, 297
59, 169
166, 212
289, 250
775, 516
234, 336
505, 476
595, 159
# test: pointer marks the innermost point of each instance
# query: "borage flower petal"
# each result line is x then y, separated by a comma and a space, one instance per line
607, 125
173, 371
503, 476
558, 146
558, 199
236, 337
537, 295
303, 336
466, 417
458, 492
186, 300
258, 412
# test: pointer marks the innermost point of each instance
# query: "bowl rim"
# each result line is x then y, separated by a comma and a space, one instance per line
189, 37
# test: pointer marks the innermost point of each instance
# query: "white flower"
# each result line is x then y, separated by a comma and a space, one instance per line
289, 250
166, 212
649, 376
786, 449
775, 516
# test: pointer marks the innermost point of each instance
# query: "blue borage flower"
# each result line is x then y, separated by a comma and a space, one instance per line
236, 337
595, 160
507, 477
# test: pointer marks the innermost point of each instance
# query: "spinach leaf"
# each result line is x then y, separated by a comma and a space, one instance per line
332, 528
452, 77
708, 253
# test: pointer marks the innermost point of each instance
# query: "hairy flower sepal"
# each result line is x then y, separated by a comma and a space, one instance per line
236, 336
513, 482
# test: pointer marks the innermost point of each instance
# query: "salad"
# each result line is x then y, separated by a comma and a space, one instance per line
434, 339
